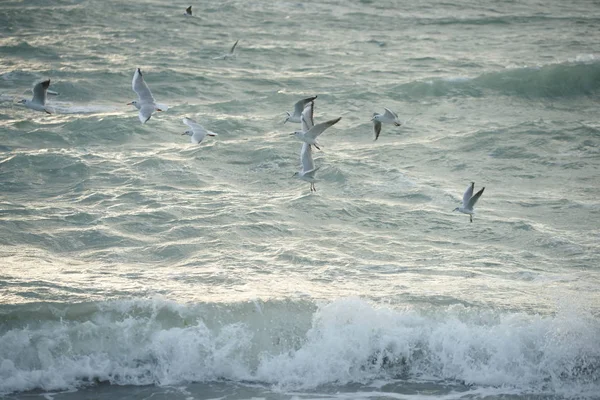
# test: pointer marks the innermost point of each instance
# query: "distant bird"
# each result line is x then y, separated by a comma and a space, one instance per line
310, 136
198, 133
388, 117
231, 53
307, 173
38, 102
298, 108
145, 102
469, 201
188, 11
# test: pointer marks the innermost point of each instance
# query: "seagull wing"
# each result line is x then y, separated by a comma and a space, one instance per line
145, 113
311, 173
389, 113
139, 86
468, 194
306, 157
474, 199
306, 119
40, 91
193, 124
299, 106
376, 128
319, 128
233, 47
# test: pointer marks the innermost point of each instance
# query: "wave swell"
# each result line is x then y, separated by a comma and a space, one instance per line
294, 345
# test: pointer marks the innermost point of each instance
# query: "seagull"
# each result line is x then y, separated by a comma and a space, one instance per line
38, 102
310, 136
198, 133
145, 102
231, 53
298, 108
388, 117
188, 11
469, 201
307, 173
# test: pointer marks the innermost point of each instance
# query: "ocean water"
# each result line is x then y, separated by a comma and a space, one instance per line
135, 265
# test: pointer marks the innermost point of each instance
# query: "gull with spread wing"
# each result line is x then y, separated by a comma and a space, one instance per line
231, 53
310, 136
298, 109
40, 93
307, 173
197, 132
388, 117
145, 102
469, 201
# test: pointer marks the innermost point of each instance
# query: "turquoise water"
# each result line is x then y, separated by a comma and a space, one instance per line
137, 265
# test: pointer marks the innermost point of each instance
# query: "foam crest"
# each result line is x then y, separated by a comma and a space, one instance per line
348, 341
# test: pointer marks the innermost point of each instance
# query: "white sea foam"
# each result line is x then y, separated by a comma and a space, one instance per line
348, 341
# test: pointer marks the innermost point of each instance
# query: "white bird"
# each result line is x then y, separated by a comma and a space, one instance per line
231, 53
307, 173
469, 201
145, 102
310, 136
198, 133
40, 93
388, 117
298, 109
188, 11
307, 117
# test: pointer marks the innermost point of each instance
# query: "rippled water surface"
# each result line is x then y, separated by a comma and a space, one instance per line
136, 264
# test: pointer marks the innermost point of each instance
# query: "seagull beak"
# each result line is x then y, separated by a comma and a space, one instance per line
293, 133
129, 104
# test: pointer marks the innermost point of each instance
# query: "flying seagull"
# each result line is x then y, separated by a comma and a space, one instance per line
388, 117
298, 108
310, 136
307, 173
197, 133
40, 93
145, 102
231, 53
469, 201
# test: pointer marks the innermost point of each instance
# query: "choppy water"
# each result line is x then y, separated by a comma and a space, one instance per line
137, 265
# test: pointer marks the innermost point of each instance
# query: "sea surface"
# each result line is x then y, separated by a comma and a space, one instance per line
136, 265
